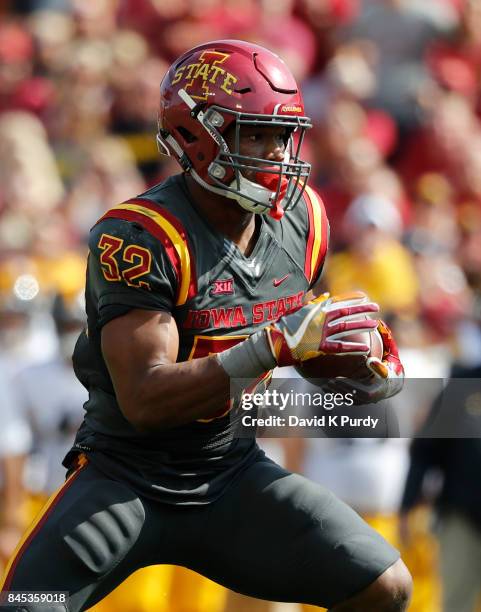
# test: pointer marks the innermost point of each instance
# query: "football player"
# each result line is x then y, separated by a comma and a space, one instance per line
200, 280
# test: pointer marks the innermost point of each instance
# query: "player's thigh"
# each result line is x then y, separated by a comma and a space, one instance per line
88, 527
276, 535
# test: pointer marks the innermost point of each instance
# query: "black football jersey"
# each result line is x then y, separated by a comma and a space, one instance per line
157, 252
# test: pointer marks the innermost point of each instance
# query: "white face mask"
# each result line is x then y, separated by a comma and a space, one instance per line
67, 343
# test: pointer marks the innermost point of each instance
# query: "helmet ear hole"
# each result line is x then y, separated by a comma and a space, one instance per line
186, 135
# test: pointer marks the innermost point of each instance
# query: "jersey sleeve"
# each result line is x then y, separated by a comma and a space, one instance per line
317, 236
139, 257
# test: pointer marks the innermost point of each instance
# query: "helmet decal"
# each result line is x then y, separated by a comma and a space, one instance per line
209, 72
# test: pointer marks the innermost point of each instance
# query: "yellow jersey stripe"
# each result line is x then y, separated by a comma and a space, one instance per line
317, 214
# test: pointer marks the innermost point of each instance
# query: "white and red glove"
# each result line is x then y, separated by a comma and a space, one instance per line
386, 376
321, 327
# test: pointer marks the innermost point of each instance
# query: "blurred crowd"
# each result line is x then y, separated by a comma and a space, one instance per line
394, 90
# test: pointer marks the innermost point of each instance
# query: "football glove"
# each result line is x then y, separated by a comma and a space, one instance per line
387, 374
320, 328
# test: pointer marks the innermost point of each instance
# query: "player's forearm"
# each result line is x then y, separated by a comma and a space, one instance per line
169, 395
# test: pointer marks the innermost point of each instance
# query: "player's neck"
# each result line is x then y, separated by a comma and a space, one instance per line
226, 216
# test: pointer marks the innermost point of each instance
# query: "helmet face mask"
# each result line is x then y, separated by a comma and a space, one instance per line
279, 184
193, 124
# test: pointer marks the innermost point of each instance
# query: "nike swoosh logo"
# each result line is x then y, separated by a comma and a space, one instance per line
294, 339
278, 281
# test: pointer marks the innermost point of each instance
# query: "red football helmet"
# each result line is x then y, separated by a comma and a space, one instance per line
234, 83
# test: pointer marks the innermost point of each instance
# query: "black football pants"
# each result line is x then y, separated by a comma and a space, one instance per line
272, 535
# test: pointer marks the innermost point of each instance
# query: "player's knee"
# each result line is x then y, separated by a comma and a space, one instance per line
393, 589
391, 592
396, 587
